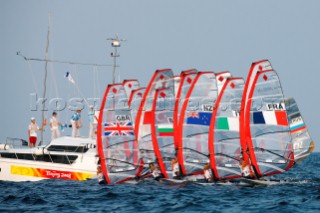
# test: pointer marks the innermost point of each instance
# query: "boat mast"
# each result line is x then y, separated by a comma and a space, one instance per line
115, 43
45, 83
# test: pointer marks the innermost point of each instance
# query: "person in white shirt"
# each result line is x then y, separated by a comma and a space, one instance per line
76, 123
32, 132
175, 169
93, 119
155, 171
54, 126
207, 173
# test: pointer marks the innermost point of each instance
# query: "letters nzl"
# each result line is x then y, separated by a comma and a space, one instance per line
276, 106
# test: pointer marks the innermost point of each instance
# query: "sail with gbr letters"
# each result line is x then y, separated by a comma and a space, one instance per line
115, 136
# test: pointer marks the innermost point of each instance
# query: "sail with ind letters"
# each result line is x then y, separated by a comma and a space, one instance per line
224, 136
303, 145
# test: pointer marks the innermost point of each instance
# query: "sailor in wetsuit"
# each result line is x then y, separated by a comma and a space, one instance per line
155, 171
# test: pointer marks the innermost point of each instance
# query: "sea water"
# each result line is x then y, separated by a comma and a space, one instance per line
298, 191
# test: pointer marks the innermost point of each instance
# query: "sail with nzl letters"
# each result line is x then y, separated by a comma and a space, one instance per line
303, 145
161, 79
224, 135
267, 135
115, 136
195, 119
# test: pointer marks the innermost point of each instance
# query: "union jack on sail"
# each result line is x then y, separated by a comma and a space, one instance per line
118, 128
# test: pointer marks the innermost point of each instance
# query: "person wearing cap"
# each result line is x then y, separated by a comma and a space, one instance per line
54, 126
76, 123
32, 132
93, 119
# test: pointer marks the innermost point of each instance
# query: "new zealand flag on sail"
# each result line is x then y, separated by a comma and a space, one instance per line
199, 118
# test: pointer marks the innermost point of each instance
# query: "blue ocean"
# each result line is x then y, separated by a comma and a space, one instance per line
298, 191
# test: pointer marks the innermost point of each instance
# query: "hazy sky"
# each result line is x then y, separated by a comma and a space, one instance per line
207, 35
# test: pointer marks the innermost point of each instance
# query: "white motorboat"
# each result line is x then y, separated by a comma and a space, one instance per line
66, 158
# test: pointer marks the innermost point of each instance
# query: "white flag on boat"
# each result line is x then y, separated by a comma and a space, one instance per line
68, 75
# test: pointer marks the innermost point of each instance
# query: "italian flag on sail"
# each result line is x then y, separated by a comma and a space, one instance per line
228, 123
165, 130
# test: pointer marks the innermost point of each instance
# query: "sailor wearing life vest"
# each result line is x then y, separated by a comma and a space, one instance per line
245, 168
207, 173
155, 171
176, 174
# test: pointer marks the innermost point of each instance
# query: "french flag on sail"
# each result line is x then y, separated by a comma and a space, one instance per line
270, 118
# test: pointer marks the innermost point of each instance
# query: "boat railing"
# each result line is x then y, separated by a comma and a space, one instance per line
15, 143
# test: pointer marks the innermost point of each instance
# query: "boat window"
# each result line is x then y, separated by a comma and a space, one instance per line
79, 149
65, 159
8, 155
24, 156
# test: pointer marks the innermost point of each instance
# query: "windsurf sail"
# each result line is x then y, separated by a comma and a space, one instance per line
130, 85
161, 79
186, 79
267, 133
224, 136
303, 145
195, 118
162, 129
116, 136
254, 69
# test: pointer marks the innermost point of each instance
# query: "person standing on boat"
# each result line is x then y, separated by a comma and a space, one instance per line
32, 132
54, 126
76, 123
93, 119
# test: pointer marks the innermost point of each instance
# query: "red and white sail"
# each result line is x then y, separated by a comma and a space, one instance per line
303, 144
266, 129
224, 132
161, 79
115, 136
162, 129
195, 117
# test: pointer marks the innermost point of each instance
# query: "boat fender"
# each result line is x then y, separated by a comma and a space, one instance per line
4, 146
41, 151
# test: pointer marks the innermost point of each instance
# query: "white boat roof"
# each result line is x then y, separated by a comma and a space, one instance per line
72, 141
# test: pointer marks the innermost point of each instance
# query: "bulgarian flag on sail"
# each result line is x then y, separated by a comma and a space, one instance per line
165, 130
270, 118
228, 123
